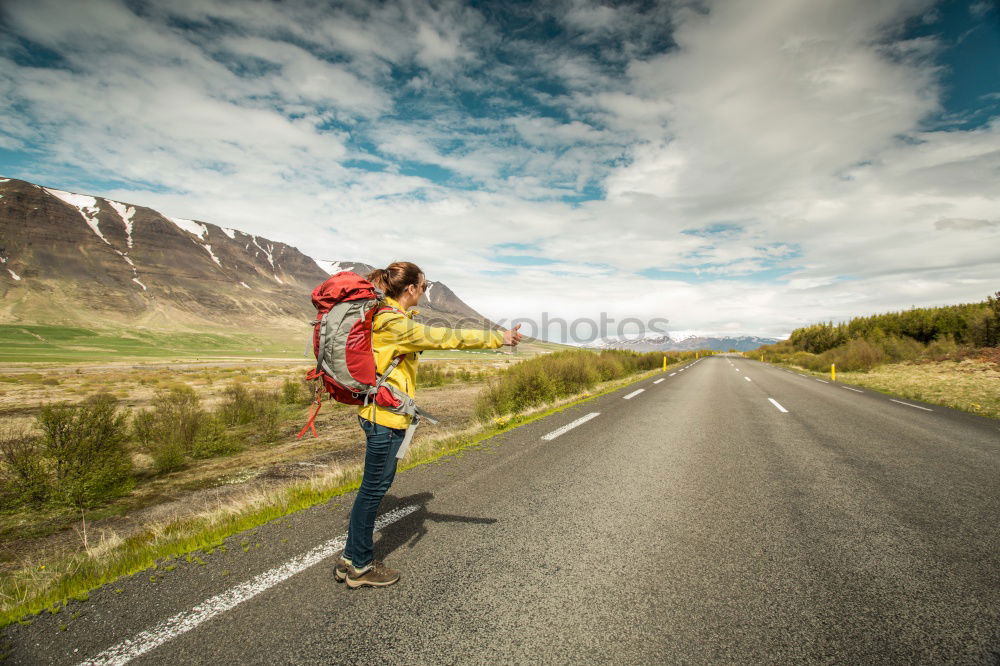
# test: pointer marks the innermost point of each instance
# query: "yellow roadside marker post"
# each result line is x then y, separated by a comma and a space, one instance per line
833, 371
664, 362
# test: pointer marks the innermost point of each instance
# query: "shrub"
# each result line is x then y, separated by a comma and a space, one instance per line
237, 407
545, 378
295, 392
169, 430
898, 348
214, 439
429, 374
266, 414
22, 463
86, 447
942, 348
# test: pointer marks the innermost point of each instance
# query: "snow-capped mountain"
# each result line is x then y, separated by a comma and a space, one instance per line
68, 258
678, 343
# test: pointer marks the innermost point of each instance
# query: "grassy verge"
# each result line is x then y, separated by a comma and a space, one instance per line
68, 344
49, 584
968, 385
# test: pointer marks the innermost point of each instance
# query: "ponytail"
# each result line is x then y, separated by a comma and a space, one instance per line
394, 279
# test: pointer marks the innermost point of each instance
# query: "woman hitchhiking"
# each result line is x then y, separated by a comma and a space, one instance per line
394, 333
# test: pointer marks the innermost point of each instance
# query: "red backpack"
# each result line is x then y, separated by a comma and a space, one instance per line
346, 305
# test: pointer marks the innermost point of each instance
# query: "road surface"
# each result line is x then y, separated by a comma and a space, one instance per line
723, 512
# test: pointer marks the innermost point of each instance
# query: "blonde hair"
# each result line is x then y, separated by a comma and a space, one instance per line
394, 279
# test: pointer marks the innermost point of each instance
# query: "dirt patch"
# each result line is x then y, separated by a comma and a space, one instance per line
990, 355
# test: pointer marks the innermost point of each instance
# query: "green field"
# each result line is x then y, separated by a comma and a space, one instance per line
35, 344
67, 344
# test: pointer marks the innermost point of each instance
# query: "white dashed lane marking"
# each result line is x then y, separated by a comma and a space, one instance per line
909, 405
632, 394
852, 389
775, 403
569, 426
172, 627
746, 378
659, 380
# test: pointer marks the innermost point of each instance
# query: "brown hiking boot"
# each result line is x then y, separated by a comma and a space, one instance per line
340, 569
375, 575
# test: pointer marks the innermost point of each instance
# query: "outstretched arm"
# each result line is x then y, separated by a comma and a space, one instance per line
407, 335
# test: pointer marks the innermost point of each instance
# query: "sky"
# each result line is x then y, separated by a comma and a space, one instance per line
732, 167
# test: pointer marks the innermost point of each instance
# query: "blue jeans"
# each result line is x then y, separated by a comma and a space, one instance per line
380, 469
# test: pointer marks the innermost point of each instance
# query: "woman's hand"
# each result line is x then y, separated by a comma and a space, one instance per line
512, 337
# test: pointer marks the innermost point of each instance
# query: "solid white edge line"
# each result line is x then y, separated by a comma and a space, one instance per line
775, 403
569, 426
172, 627
632, 394
852, 389
659, 380
747, 378
909, 405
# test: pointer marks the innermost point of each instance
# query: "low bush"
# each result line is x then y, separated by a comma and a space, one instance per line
214, 439
237, 406
85, 450
258, 408
546, 378
296, 392
23, 468
169, 430
267, 414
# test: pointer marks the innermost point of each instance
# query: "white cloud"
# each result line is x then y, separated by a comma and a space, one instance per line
799, 125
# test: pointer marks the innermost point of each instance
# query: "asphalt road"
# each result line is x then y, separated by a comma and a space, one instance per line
694, 522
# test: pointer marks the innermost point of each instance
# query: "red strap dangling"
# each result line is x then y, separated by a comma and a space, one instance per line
311, 423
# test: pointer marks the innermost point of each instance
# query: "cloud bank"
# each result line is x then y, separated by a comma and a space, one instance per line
733, 167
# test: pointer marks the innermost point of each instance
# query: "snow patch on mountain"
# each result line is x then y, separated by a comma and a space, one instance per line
229, 232
14, 275
126, 213
269, 253
197, 229
190, 226
86, 205
329, 267
212, 254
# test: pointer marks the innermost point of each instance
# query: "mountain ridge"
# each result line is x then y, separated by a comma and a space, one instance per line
688, 343
71, 258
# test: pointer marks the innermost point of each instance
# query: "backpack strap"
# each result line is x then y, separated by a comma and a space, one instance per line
373, 391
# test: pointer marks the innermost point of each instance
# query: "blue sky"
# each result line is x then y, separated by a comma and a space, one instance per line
733, 167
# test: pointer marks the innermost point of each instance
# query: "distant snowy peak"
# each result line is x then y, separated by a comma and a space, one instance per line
331, 267
690, 342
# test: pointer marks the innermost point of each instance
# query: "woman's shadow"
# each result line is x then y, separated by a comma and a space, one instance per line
411, 529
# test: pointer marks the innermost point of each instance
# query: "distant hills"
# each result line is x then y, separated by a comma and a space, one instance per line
690, 343
69, 258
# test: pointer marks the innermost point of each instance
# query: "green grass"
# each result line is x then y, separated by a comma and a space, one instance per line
31, 591
30, 344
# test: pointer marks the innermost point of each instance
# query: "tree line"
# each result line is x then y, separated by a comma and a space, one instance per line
970, 324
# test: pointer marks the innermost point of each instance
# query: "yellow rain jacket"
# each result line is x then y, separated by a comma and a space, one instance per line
394, 334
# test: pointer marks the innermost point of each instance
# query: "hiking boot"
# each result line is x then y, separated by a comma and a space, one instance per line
375, 574
340, 569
